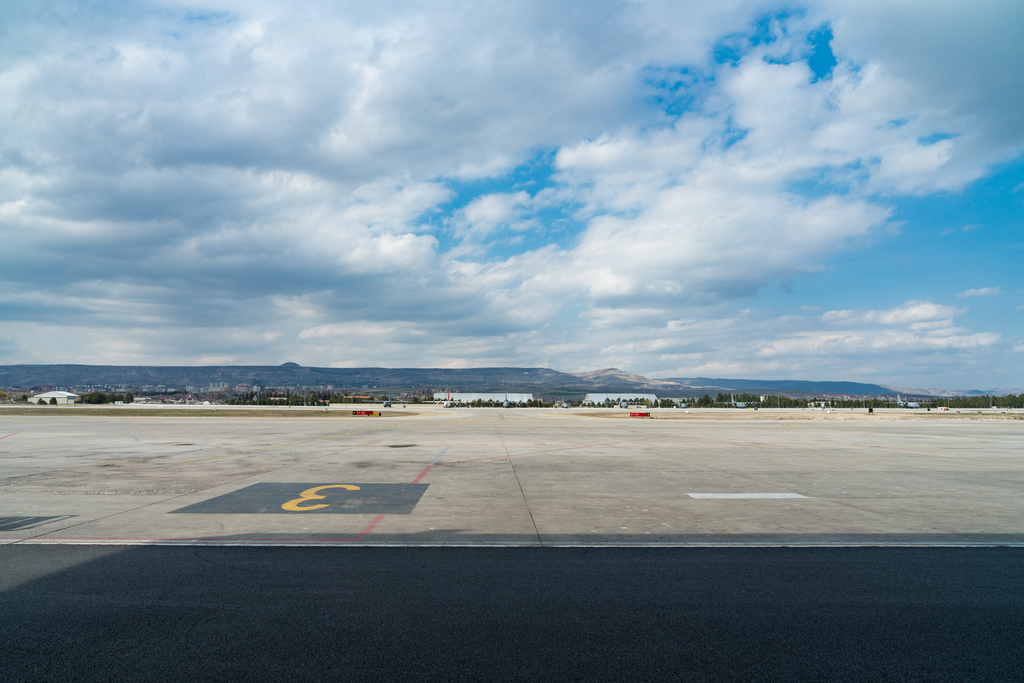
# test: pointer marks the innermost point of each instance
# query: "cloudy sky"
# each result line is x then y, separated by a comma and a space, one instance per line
726, 188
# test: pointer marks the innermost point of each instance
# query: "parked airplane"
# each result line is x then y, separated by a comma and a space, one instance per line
906, 404
733, 403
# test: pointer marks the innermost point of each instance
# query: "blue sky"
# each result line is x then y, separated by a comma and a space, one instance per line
825, 190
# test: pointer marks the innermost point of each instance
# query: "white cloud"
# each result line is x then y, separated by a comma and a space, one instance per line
909, 312
217, 360
297, 166
928, 328
860, 342
982, 291
936, 50
490, 212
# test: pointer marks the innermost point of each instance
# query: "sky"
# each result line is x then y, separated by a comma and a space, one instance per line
724, 188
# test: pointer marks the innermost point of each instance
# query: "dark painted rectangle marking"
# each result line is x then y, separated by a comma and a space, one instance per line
369, 413
639, 414
268, 497
25, 522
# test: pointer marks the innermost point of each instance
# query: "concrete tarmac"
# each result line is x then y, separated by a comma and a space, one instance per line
512, 477
163, 547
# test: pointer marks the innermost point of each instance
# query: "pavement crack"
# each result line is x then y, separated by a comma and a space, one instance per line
520, 484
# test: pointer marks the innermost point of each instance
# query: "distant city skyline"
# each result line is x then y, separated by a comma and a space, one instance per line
818, 191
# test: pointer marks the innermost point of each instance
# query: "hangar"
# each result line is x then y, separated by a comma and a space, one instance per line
61, 397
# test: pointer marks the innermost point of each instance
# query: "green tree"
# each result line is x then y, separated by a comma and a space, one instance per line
53, 401
128, 398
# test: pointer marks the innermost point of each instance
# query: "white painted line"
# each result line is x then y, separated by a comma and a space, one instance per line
535, 544
746, 495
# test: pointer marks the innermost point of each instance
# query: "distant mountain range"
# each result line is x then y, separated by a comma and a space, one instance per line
474, 379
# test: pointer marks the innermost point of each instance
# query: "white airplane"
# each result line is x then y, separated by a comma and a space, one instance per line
737, 404
906, 404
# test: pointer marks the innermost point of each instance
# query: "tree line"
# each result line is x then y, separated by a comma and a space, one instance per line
287, 398
100, 397
962, 402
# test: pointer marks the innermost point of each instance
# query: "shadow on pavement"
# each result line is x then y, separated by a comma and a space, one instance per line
368, 614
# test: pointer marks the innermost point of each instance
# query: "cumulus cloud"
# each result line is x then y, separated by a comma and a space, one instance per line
936, 49
489, 213
259, 182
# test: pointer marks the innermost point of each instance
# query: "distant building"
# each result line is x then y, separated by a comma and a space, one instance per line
62, 397
619, 398
456, 397
218, 386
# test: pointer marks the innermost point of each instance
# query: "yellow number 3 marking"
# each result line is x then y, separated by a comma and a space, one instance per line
310, 494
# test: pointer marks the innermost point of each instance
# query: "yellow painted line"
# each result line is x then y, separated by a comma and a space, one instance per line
270, 448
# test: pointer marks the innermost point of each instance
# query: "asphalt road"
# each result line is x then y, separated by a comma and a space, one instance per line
367, 614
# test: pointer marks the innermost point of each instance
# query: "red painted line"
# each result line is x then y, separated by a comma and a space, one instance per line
422, 474
4, 437
432, 463
366, 531
376, 520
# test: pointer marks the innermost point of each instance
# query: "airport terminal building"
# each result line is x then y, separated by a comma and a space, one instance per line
455, 397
